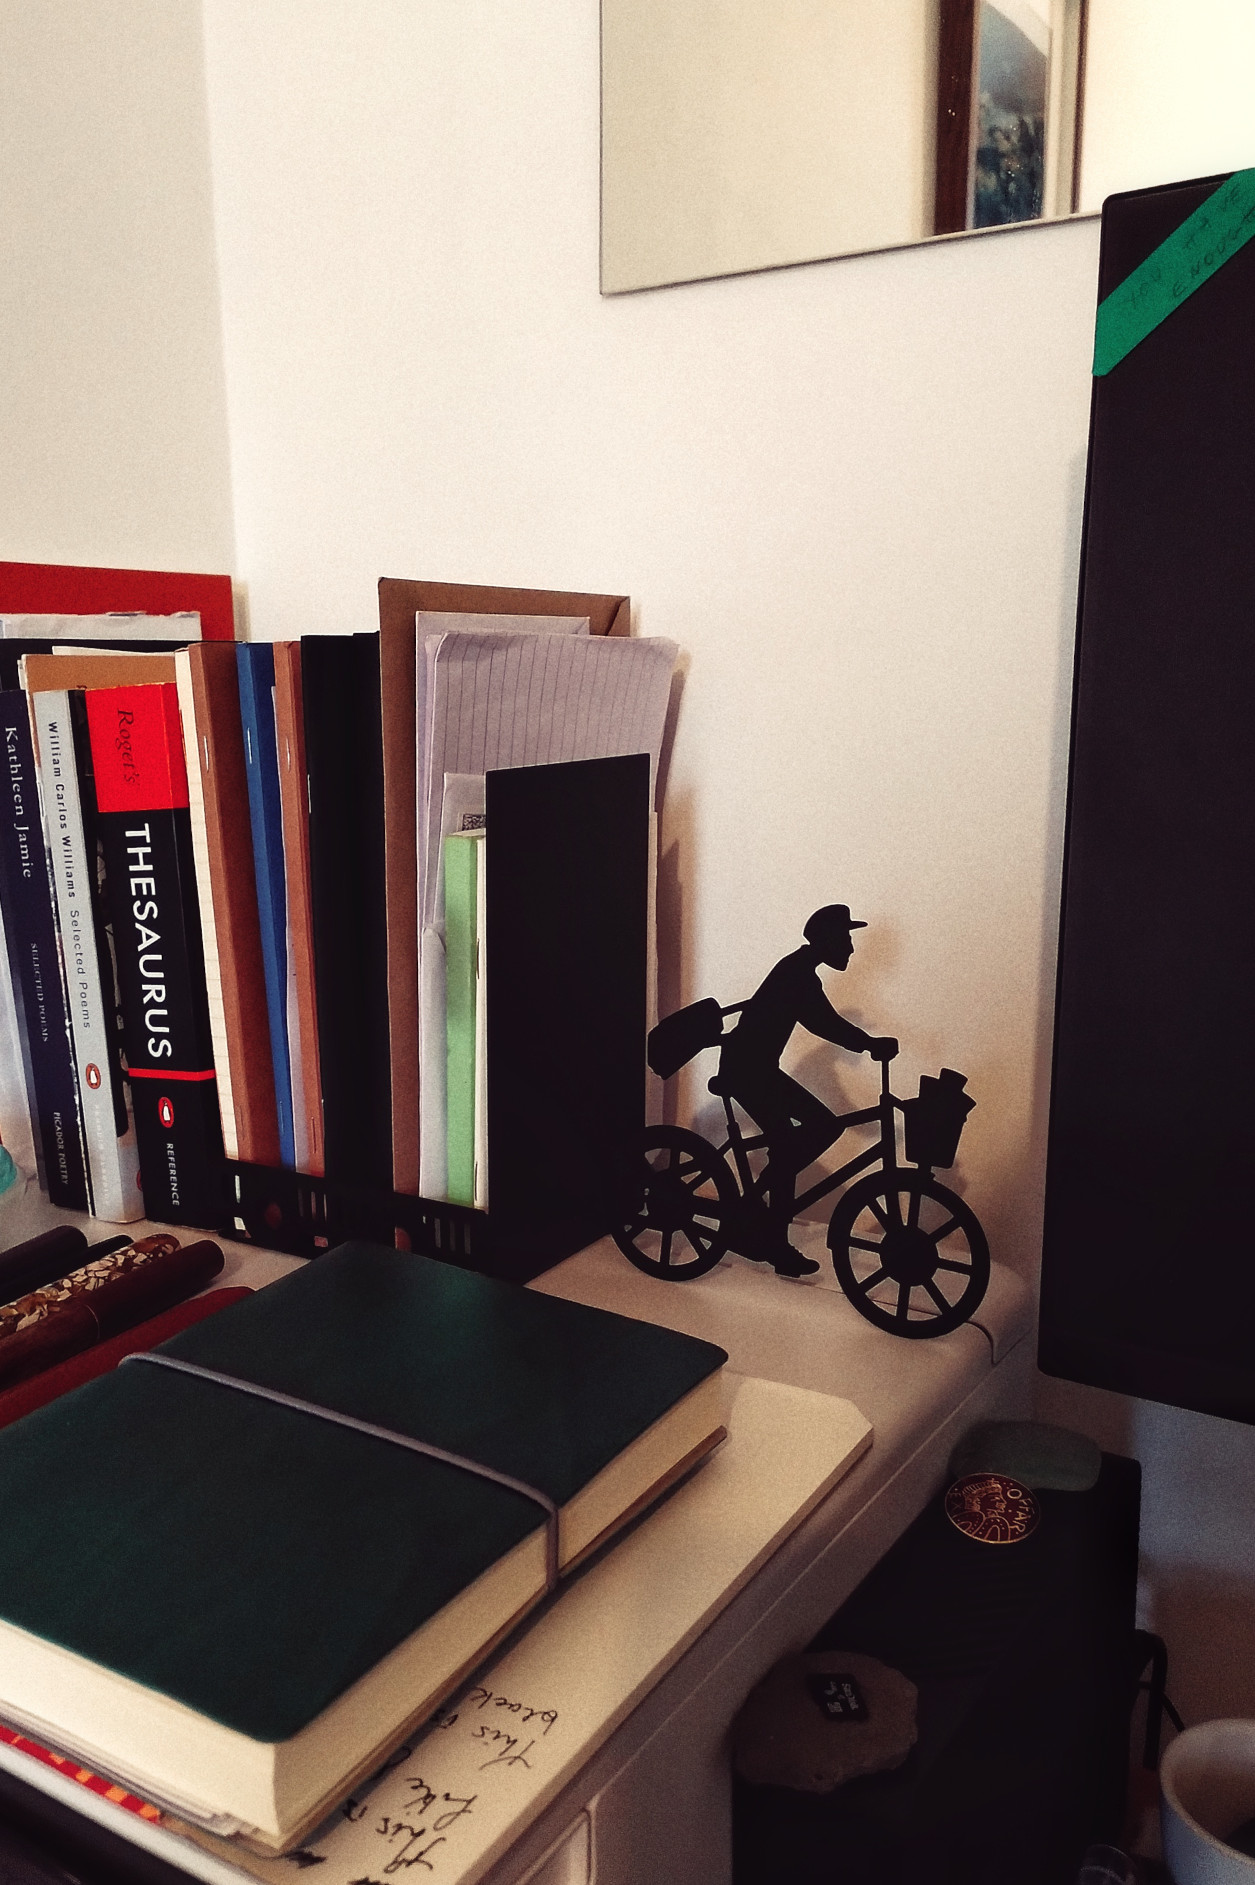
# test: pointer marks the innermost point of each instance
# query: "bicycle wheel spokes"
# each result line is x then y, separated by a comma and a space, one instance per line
942, 1301
677, 1229
886, 1211
701, 1239
867, 1240
909, 1253
865, 1284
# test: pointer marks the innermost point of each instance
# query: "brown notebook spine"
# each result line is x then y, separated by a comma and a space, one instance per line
209, 703
294, 801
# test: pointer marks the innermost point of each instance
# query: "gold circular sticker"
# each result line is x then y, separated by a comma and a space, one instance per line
992, 1508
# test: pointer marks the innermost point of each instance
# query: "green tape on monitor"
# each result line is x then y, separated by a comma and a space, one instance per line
1187, 258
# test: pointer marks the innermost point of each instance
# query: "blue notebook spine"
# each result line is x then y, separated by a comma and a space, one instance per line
257, 712
34, 965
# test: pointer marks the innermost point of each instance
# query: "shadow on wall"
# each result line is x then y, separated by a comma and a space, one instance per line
1207, 1619
1024, 1179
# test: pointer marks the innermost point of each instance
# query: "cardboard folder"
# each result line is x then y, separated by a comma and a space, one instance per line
399, 602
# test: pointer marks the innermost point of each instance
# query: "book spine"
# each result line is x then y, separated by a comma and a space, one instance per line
145, 825
66, 589
302, 1007
31, 939
343, 746
397, 683
255, 661
209, 704
481, 1024
112, 1160
461, 871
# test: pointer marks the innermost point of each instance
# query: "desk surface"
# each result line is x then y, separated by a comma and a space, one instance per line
918, 1396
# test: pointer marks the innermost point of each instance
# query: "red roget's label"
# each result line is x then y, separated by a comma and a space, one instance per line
137, 748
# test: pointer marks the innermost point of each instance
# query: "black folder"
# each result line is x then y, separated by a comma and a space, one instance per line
344, 755
566, 919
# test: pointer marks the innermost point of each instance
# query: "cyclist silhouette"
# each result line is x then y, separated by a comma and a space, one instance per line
798, 1127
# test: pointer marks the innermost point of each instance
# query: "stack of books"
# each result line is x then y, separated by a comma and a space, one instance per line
251, 892
298, 933
305, 1520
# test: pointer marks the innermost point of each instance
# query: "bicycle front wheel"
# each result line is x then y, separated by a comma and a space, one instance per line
909, 1253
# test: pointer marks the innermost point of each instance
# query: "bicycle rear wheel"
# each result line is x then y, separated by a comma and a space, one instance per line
909, 1253
680, 1228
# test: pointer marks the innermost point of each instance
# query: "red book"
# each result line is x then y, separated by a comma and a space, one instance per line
45, 1387
61, 589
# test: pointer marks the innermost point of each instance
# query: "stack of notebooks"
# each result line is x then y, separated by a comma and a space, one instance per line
236, 1570
251, 893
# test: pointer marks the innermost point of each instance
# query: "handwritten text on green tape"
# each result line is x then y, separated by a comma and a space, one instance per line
1204, 242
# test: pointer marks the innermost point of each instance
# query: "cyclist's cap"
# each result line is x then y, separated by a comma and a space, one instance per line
832, 917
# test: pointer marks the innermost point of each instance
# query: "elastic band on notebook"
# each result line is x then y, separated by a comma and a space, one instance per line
372, 1432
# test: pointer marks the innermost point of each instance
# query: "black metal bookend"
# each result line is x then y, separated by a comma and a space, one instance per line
909, 1253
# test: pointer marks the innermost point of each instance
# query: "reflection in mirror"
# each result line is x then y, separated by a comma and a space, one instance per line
745, 134
1008, 115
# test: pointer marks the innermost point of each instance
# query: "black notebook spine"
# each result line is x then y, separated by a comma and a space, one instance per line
344, 757
31, 942
144, 821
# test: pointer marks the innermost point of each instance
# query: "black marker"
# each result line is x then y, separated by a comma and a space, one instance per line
41, 1260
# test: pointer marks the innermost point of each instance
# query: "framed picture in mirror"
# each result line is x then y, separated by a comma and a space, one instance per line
1009, 81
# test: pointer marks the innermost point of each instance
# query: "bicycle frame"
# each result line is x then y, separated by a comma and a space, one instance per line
884, 1153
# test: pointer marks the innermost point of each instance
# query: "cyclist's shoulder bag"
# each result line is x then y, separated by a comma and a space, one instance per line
683, 1034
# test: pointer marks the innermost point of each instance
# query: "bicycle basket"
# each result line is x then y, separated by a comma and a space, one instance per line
674, 1042
935, 1120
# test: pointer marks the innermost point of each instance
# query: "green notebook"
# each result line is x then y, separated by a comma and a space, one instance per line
237, 1607
463, 902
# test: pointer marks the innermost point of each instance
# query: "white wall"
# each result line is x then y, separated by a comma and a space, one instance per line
112, 418
113, 441
850, 492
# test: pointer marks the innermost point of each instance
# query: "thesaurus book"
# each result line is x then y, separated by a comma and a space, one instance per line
150, 875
